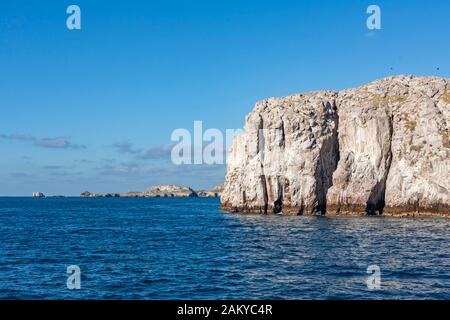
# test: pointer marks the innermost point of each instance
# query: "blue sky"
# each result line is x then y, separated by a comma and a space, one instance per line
94, 109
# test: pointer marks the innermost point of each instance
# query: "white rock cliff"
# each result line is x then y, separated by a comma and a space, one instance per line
380, 148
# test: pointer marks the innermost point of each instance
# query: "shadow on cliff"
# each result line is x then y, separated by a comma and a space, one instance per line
376, 202
329, 158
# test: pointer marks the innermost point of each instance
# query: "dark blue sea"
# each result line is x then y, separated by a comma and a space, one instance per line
169, 248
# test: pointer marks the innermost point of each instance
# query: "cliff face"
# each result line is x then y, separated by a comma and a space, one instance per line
380, 148
286, 158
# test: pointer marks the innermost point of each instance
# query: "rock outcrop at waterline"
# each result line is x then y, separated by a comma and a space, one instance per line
380, 148
213, 193
38, 195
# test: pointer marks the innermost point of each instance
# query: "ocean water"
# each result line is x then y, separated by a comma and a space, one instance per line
169, 248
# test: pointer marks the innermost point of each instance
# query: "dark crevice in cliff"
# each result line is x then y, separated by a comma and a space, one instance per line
261, 139
301, 210
278, 204
260, 150
336, 131
265, 195
281, 181
329, 158
376, 202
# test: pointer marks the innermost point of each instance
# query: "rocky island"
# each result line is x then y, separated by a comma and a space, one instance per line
214, 192
169, 191
382, 148
163, 191
38, 195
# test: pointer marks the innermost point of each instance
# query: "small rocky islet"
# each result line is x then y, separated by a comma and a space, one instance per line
159, 191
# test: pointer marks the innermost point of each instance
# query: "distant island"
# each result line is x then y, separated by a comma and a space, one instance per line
163, 191
38, 195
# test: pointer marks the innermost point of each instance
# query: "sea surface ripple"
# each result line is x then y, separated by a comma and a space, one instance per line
170, 248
